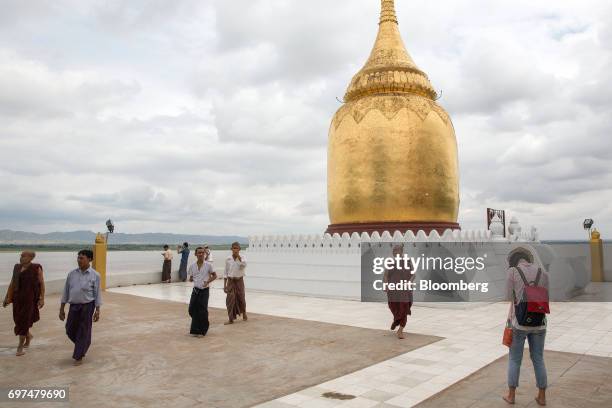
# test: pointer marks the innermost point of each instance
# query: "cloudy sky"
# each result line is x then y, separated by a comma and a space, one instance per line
211, 116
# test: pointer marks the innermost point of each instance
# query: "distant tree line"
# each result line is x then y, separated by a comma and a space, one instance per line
111, 247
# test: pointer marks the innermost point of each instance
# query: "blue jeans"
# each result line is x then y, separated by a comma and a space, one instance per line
536, 352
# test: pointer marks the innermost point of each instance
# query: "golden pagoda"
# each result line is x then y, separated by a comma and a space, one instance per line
392, 154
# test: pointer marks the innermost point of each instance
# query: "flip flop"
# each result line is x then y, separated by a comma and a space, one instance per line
508, 401
539, 403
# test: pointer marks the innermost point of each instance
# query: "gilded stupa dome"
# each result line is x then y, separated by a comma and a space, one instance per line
392, 153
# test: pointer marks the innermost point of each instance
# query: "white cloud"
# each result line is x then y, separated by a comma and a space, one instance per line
212, 116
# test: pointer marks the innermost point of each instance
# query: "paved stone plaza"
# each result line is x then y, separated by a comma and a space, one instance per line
303, 351
472, 339
576, 380
141, 355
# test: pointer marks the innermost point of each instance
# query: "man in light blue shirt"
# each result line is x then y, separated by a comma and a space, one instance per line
82, 292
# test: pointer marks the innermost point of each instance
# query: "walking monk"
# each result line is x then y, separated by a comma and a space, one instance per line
400, 300
27, 294
82, 292
233, 285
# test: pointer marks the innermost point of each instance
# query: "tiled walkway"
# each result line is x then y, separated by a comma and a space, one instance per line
472, 340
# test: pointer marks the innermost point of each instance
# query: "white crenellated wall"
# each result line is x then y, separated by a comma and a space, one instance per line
330, 265
349, 244
345, 243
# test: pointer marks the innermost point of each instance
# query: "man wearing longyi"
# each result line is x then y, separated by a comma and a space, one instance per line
233, 285
82, 292
201, 274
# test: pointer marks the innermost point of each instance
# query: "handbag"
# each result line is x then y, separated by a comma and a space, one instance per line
507, 339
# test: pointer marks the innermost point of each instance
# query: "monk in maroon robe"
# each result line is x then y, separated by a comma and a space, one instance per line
399, 300
27, 294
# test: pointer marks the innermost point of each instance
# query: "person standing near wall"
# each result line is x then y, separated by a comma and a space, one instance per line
184, 251
208, 257
167, 266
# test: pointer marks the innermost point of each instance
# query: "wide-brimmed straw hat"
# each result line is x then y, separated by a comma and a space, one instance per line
517, 253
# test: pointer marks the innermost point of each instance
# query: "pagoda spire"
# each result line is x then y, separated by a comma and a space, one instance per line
390, 68
387, 11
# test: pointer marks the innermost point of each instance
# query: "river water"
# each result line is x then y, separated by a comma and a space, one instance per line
56, 265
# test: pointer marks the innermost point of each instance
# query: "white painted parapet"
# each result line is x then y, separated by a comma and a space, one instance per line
351, 244
330, 265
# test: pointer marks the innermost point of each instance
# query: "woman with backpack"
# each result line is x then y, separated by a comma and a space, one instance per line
528, 290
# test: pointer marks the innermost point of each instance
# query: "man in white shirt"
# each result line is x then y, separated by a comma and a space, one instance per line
167, 266
208, 257
233, 285
201, 274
